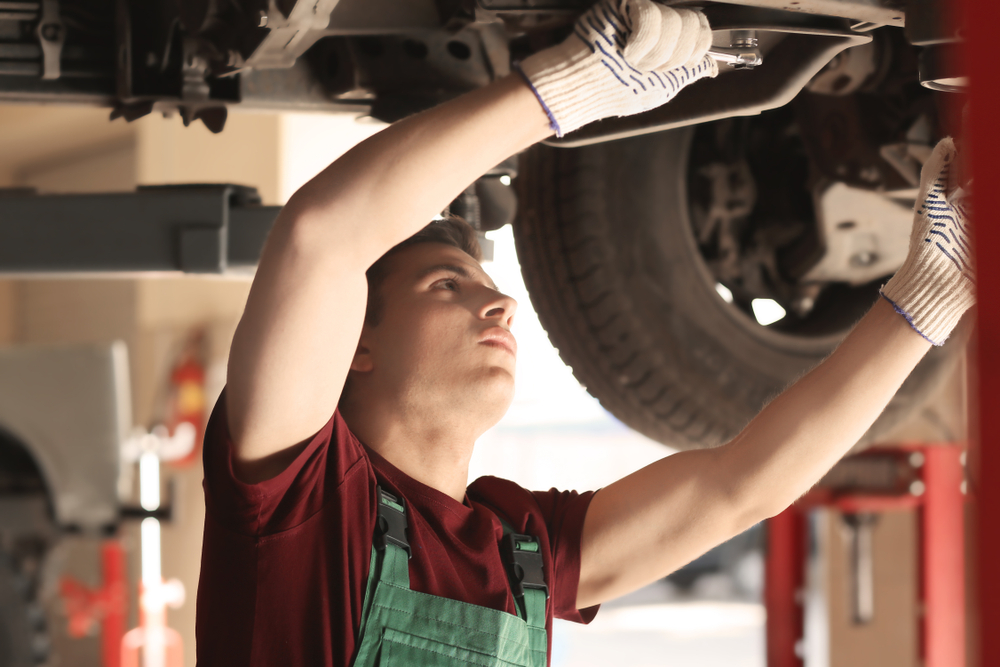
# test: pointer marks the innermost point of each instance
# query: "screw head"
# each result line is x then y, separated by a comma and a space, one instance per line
864, 258
51, 32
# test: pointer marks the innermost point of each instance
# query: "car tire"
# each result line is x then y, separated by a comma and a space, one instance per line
604, 239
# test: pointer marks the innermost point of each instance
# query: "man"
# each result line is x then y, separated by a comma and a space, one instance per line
355, 538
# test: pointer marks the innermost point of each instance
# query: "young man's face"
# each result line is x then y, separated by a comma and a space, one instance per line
443, 340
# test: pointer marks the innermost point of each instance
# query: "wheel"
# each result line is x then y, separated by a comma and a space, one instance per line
657, 322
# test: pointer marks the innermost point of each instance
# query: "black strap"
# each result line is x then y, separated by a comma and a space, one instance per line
390, 524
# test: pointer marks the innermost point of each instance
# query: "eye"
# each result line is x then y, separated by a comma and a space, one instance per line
450, 284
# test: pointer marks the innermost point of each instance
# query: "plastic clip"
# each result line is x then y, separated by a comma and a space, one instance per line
523, 557
390, 522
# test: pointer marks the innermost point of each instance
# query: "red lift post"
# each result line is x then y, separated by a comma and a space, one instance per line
936, 494
944, 638
984, 455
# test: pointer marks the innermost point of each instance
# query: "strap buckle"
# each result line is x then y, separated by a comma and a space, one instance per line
525, 567
390, 525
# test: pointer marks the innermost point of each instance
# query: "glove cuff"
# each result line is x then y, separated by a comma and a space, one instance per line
931, 297
564, 80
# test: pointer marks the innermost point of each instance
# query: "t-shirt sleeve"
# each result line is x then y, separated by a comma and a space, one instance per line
564, 512
557, 518
286, 500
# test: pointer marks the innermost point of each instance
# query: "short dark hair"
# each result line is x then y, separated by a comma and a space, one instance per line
452, 230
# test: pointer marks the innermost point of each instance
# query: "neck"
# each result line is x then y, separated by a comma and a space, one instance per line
434, 451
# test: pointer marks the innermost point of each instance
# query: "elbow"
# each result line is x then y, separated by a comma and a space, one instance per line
308, 237
750, 498
761, 506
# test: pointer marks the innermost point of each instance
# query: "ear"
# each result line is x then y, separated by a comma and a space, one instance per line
362, 361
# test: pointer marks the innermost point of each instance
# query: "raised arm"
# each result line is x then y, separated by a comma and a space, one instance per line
652, 522
294, 344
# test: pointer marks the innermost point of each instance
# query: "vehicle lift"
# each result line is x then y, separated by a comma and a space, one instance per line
949, 637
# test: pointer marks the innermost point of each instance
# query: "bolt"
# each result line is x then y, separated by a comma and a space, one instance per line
917, 488
871, 174
151, 60
916, 459
744, 39
803, 305
51, 32
864, 258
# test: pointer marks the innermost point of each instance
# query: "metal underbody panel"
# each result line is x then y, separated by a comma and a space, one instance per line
879, 12
866, 234
808, 44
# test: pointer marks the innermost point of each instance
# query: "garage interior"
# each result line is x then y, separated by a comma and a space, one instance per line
888, 562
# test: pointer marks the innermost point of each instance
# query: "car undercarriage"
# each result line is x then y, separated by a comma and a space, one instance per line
783, 186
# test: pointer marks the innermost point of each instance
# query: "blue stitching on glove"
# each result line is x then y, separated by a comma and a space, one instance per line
553, 124
613, 59
615, 73
938, 244
583, 38
590, 20
627, 64
909, 320
618, 16
618, 31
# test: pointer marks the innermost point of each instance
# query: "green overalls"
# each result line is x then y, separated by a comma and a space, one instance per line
405, 628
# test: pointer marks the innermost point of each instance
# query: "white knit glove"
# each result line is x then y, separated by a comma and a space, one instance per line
936, 283
624, 56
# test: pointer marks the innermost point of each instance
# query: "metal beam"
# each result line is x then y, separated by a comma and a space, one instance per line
175, 228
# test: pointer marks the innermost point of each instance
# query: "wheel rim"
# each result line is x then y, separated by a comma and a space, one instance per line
751, 224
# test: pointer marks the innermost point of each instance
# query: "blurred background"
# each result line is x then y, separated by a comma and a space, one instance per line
175, 332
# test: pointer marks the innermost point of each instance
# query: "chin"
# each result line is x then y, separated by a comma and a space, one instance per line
493, 398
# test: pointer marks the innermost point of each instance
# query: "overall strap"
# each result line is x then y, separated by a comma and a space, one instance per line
522, 556
390, 538
390, 552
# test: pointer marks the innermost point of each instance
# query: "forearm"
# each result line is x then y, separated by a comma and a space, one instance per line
389, 186
800, 435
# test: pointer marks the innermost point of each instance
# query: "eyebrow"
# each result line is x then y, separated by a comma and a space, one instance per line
454, 268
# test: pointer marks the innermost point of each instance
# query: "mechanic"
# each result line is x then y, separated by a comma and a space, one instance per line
349, 535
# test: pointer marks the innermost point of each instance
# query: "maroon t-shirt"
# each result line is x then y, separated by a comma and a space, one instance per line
284, 562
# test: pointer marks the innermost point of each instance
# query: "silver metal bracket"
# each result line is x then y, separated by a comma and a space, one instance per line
51, 34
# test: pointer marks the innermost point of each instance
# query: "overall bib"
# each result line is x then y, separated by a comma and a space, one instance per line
406, 628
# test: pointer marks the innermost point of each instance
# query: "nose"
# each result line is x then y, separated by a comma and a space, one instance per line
500, 307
